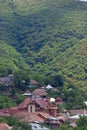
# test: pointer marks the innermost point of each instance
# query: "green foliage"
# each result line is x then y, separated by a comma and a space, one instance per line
10, 60
20, 98
65, 127
21, 79
82, 121
11, 121
74, 98
51, 37
6, 102
22, 126
15, 123
54, 93
81, 125
55, 80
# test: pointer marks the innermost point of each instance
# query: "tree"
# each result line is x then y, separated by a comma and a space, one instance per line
55, 80
82, 121
22, 126
65, 127
6, 102
15, 123
20, 98
21, 79
74, 98
58, 80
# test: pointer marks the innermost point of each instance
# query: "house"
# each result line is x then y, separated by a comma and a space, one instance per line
23, 106
33, 83
5, 112
35, 110
2, 114
29, 117
7, 82
39, 93
4, 126
39, 103
27, 94
34, 105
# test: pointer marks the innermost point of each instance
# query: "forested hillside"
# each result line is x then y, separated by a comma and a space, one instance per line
50, 35
10, 60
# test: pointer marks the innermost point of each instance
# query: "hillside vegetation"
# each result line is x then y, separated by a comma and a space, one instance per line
10, 60
51, 35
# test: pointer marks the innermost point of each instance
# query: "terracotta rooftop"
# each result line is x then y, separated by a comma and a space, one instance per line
13, 110
4, 114
76, 112
58, 99
8, 111
4, 110
43, 103
39, 92
24, 104
21, 114
44, 115
32, 117
28, 117
34, 82
4, 126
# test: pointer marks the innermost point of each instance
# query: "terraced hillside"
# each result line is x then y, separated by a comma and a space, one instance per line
50, 35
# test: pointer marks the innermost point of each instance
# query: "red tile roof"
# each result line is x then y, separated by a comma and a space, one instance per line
8, 111
21, 114
40, 92
28, 117
32, 118
43, 103
4, 110
24, 104
34, 82
4, 114
58, 99
4, 126
76, 112
44, 115
13, 110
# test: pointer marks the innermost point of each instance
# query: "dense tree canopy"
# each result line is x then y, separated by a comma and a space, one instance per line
49, 36
6, 102
81, 125
15, 123
21, 79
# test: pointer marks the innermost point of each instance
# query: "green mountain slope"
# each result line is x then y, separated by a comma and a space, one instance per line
10, 60
50, 35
